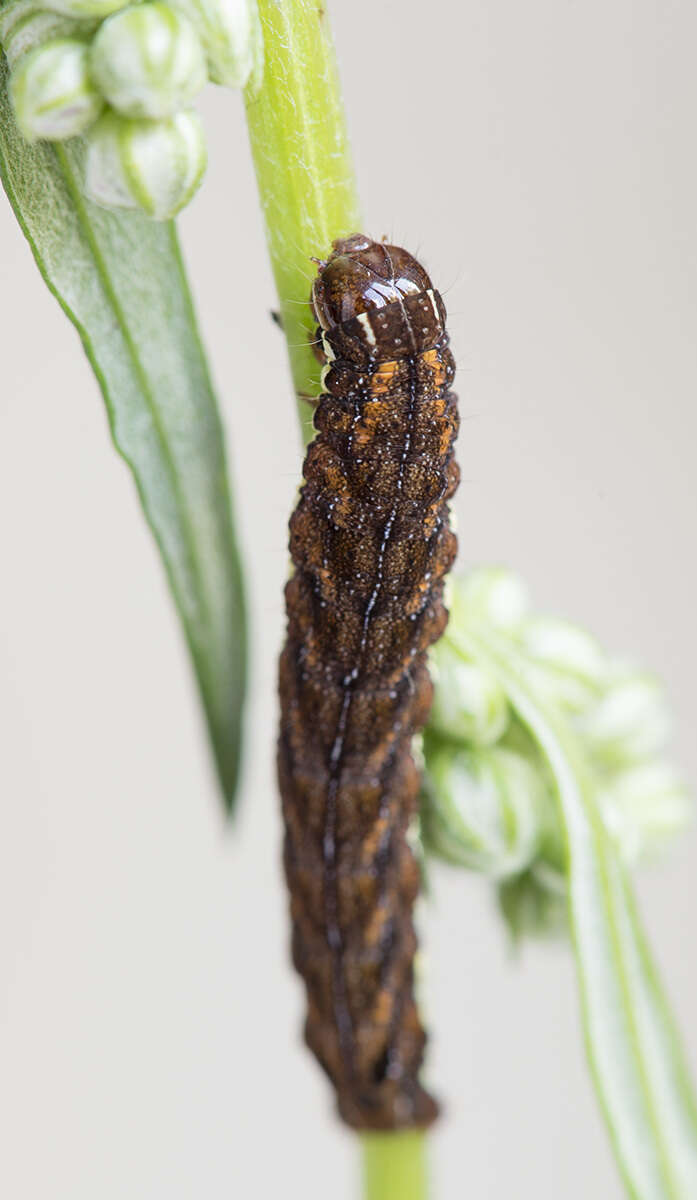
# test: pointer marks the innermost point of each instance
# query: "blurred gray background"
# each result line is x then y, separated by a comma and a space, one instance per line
541, 158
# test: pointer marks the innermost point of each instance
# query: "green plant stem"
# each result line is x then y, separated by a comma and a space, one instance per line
302, 159
394, 1165
301, 153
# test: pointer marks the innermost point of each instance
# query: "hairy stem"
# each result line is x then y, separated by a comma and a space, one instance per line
301, 153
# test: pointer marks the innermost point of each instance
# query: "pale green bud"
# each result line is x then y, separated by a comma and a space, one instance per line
485, 810
644, 807
154, 166
230, 33
490, 596
147, 61
567, 665
629, 723
468, 704
566, 647
85, 8
52, 93
25, 24
534, 904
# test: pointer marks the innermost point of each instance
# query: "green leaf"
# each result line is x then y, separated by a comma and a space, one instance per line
633, 1046
120, 279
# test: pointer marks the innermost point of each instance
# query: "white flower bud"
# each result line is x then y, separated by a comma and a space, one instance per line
486, 810
567, 665
565, 647
643, 808
468, 704
25, 24
147, 61
154, 166
629, 723
490, 596
230, 33
85, 8
52, 93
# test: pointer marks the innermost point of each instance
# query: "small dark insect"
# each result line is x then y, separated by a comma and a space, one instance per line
371, 545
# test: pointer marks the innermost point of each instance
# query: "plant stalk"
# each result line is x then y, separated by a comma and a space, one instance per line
302, 159
394, 1165
307, 187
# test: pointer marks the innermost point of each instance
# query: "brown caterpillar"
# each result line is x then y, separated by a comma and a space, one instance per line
371, 545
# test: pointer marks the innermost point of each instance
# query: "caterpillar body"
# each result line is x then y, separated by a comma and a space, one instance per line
371, 544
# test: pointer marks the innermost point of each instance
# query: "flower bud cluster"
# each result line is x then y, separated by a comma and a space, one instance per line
489, 793
124, 76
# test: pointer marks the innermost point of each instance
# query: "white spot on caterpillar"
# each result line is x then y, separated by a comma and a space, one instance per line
364, 321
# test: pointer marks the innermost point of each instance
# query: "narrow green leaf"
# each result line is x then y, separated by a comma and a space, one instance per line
121, 281
633, 1047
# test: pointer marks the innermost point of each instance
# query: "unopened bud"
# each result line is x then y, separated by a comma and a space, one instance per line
85, 8
534, 904
52, 93
644, 807
154, 166
566, 664
490, 596
230, 33
485, 810
630, 722
148, 61
25, 24
469, 705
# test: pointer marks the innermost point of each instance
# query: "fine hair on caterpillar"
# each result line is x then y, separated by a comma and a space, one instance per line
371, 545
